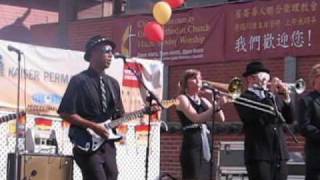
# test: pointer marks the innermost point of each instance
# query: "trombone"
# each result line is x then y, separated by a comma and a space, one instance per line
234, 89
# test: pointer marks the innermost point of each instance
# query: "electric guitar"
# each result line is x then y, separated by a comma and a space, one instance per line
34, 109
97, 141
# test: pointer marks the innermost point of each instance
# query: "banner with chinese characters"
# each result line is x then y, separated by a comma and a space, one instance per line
272, 29
247, 30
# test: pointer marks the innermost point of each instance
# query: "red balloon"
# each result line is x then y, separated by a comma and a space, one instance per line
153, 32
175, 3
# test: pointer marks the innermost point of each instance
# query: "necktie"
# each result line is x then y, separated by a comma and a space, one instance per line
103, 95
205, 143
259, 92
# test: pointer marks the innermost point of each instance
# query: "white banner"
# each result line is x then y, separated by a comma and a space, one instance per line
45, 73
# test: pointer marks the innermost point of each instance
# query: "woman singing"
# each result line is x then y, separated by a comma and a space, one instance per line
194, 112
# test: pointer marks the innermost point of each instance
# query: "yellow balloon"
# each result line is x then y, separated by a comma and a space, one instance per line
162, 12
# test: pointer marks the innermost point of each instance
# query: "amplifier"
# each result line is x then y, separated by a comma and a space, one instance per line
231, 162
40, 167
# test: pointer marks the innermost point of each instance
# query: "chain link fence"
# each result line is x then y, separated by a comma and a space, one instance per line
131, 153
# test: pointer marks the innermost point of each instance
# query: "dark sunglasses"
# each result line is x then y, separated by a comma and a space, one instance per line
106, 49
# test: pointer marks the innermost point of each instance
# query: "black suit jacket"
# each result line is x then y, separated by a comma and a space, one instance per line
309, 123
264, 134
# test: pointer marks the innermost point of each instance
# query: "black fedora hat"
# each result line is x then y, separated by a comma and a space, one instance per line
254, 68
93, 42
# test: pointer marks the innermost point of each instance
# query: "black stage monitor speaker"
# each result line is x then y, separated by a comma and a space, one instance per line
231, 162
40, 167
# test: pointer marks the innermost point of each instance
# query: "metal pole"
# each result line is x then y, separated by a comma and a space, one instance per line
129, 39
161, 50
16, 166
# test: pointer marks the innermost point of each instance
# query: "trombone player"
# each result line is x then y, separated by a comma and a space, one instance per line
265, 151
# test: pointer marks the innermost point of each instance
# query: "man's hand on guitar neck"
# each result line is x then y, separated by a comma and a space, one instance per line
152, 109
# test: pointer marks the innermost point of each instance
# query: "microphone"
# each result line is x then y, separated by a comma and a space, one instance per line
208, 87
11, 48
121, 56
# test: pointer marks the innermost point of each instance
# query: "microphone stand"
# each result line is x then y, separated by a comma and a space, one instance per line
214, 93
16, 159
151, 96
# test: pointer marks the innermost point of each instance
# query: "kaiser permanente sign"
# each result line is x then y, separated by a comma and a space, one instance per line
45, 73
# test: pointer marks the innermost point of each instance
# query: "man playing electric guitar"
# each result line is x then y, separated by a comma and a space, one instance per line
91, 98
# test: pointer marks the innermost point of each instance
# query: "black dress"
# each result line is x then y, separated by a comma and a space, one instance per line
194, 166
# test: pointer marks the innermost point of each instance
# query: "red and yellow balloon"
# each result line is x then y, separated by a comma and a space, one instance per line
175, 3
162, 12
153, 32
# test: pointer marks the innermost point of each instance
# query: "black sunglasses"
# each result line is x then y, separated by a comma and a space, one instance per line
106, 49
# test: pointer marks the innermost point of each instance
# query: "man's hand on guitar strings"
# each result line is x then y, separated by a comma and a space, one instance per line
100, 130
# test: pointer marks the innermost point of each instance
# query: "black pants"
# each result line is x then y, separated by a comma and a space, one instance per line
100, 165
312, 155
266, 170
313, 173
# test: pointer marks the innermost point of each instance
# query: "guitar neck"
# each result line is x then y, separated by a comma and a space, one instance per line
12, 116
139, 113
127, 117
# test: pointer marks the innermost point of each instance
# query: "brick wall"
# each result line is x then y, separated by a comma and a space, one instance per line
81, 31
16, 20
45, 35
169, 156
304, 65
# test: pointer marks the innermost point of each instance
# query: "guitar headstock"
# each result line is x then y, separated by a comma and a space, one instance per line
170, 102
12, 116
165, 103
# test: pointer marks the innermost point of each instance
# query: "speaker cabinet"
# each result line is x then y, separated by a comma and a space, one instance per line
40, 167
231, 162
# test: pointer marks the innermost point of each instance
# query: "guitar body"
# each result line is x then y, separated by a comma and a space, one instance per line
89, 141
98, 141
